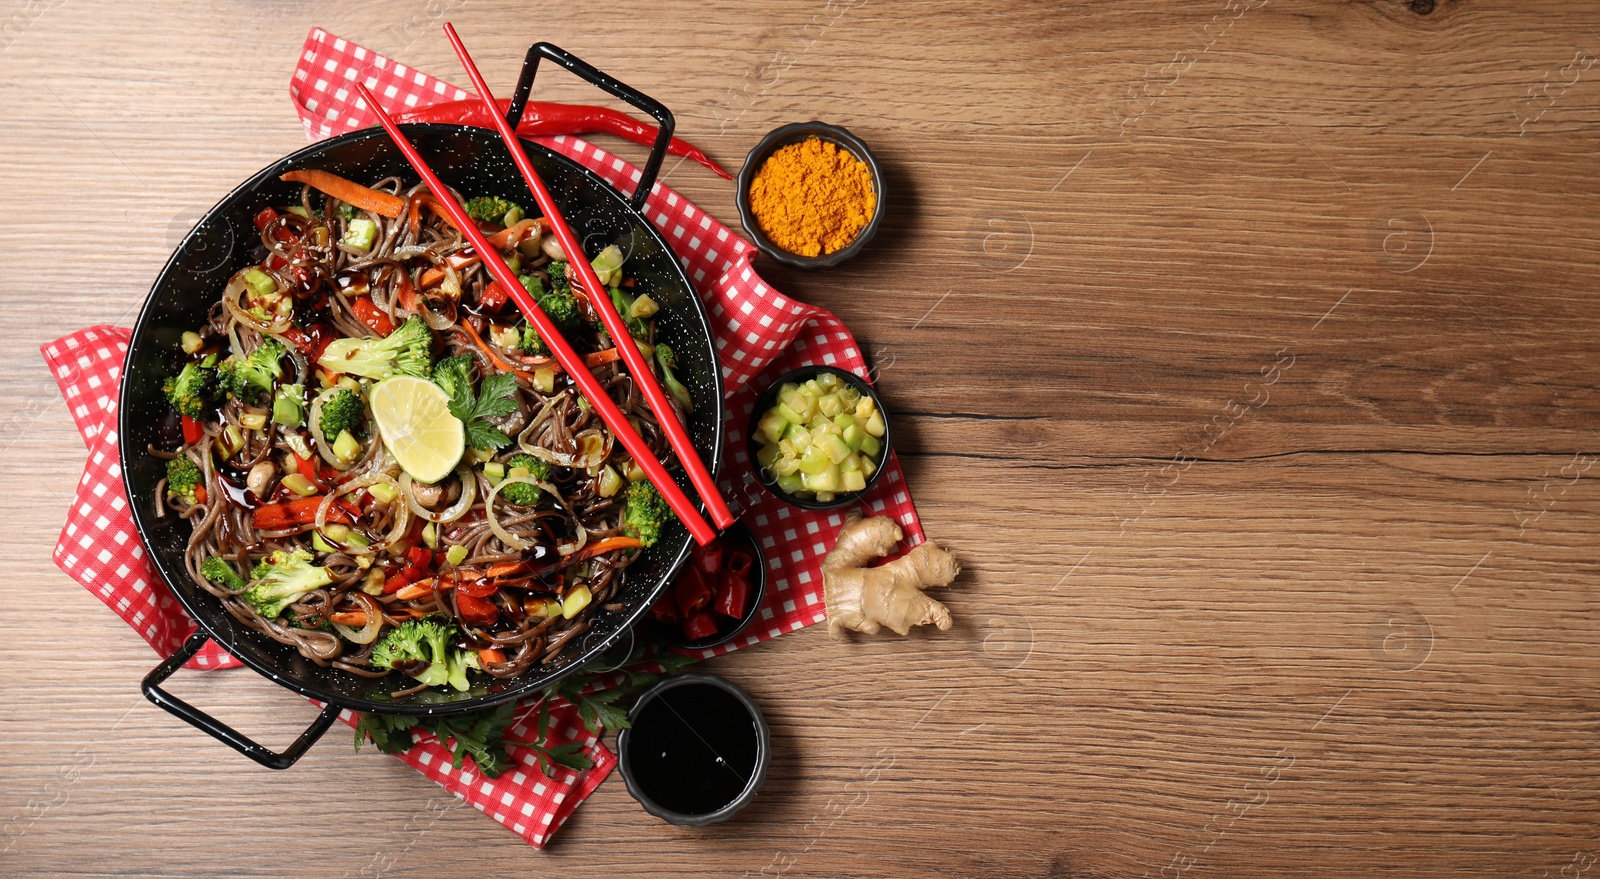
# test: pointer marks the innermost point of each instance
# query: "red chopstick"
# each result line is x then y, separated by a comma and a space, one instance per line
569, 359
638, 367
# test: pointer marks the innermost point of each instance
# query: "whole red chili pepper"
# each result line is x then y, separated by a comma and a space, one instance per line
544, 119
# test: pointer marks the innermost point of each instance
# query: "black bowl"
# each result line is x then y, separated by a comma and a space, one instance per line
794, 133
770, 397
673, 636
634, 757
474, 161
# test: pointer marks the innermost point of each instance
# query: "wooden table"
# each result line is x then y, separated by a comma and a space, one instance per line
1242, 350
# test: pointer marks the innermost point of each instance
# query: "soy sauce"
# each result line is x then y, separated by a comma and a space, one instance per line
693, 749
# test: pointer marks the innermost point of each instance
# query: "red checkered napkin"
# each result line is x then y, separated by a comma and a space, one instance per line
758, 330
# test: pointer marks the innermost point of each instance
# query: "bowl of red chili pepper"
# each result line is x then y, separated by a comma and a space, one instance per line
716, 595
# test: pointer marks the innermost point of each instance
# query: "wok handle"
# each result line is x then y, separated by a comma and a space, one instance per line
216, 728
654, 108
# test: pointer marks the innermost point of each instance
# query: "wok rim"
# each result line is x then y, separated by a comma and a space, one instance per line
514, 691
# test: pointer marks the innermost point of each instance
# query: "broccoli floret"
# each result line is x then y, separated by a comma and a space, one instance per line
283, 578
521, 493
192, 389
668, 361
342, 410
428, 641
624, 305
406, 351
183, 478
530, 343
221, 573
645, 513
559, 302
249, 379
493, 209
459, 662
454, 375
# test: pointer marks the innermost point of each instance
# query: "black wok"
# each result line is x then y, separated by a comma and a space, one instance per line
474, 161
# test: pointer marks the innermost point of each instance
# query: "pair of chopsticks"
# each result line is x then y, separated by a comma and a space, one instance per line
570, 360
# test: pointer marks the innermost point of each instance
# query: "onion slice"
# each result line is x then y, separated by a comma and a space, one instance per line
368, 633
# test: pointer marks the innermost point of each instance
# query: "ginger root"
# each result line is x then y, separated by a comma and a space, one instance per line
864, 599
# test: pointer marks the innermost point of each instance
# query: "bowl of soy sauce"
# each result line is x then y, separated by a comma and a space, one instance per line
697, 750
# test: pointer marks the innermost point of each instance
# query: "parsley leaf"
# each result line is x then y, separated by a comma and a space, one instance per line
496, 398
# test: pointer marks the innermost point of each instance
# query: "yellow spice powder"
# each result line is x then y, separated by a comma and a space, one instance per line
812, 197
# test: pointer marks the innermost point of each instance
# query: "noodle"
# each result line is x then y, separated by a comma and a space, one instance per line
338, 289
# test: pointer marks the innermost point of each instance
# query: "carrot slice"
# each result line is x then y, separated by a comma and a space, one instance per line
350, 192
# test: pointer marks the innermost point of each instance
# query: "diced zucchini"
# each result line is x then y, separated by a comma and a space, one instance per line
785, 466
260, 282
346, 447
826, 480
870, 446
643, 307
771, 426
575, 601
430, 535
854, 436
788, 414
768, 454
192, 343
865, 408
608, 264
853, 480
828, 381
299, 485
382, 492
815, 460
545, 380
834, 447
456, 554
789, 483
359, 234
874, 425
253, 420
830, 404
610, 482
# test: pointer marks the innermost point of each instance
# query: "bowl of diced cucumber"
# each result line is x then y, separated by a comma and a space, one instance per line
818, 437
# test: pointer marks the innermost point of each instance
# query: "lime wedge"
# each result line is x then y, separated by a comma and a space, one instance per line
414, 421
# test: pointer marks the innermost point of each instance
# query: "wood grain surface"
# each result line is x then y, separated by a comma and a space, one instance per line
1244, 351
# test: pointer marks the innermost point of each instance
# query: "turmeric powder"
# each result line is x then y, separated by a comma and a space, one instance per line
812, 197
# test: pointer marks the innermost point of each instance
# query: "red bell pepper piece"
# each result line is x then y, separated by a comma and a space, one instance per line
372, 315
476, 611
540, 118
699, 627
691, 592
421, 556
312, 340
192, 431
308, 469
261, 219
708, 560
493, 298
300, 511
